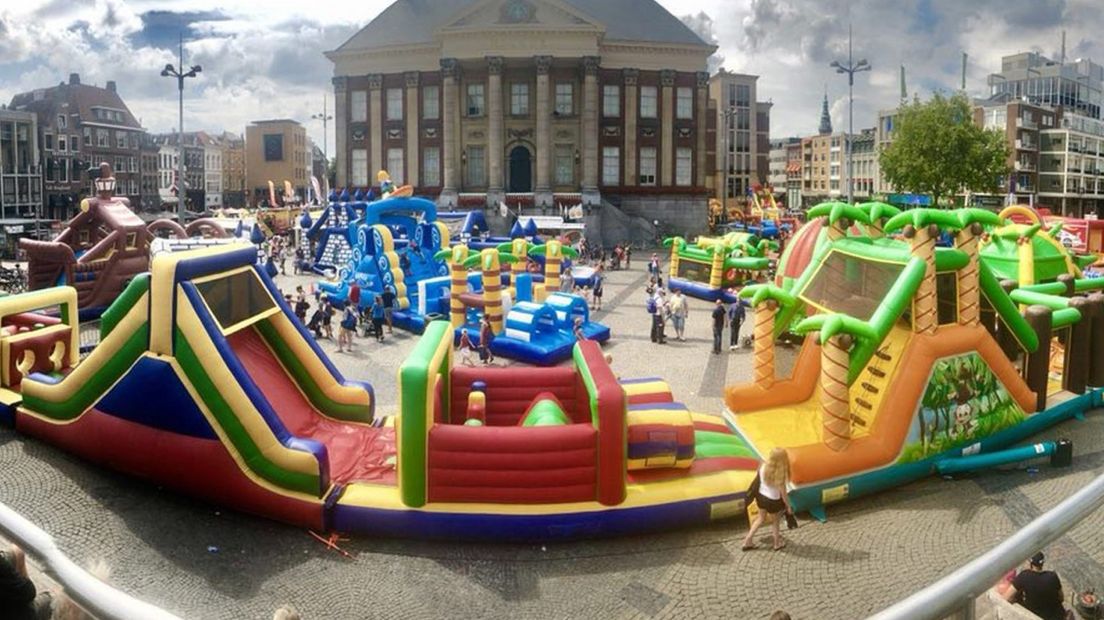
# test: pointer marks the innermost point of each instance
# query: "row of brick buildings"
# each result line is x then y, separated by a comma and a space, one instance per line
51, 137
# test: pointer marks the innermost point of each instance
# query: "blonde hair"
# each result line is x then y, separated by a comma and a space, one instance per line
776, 472
287, 612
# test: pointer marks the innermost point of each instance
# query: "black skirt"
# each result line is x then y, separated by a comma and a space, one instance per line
770, 506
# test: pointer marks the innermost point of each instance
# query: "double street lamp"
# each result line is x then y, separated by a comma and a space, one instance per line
180, 74
851, 68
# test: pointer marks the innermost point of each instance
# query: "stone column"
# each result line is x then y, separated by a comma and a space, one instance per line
495, 130
543, 189
666, 151
341, 118
700, 128
451, 127
590, 130
375, 126
632, 104
413, 117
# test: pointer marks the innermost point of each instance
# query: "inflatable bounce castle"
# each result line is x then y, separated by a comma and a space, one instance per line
531, 322
713, 267
97, 253
385, 232
1002, 337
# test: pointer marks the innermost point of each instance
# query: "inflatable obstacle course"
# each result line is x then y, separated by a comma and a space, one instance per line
251, 414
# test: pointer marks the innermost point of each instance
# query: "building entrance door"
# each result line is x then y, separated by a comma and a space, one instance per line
521, 170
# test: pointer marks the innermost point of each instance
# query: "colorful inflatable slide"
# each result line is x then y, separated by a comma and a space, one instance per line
204, 381
712, 267
916, 355
385, 232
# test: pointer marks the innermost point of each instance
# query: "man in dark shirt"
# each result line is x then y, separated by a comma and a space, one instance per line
736, 315
388, 307
1040, 591
18, 598
720, 316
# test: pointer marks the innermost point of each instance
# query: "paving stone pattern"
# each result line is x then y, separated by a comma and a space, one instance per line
870, 553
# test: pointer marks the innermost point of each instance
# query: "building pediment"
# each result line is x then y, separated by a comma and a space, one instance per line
514, 15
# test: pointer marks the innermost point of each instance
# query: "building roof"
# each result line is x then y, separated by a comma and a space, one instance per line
81, 99
274, 121
410, 22
191, 138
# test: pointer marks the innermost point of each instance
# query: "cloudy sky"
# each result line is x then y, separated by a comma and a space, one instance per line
263, 58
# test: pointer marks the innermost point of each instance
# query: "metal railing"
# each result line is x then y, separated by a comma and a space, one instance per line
957, 592
93, 595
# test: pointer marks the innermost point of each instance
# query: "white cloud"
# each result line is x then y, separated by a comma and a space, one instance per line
789, 44
264, 59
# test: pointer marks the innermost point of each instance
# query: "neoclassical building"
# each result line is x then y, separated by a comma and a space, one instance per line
531, 101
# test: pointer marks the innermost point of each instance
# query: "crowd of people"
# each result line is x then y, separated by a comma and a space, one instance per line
372, 320
673, 308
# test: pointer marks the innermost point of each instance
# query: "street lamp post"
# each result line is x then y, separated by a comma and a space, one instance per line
180, 74
851, 68
325, 118
726, 117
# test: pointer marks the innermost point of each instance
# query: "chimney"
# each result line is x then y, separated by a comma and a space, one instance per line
74, 79
111, 85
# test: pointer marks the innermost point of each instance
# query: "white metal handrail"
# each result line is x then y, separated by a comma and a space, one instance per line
95, 596
957, 591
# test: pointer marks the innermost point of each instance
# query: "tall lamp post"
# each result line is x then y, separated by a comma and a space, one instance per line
851, 68
180, 74
325, 118
726, 117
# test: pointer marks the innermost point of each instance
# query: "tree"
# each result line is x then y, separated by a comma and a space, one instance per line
937, 149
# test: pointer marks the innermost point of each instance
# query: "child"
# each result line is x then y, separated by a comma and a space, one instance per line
486, 335
578, 330
599, 279
346, 329
378, 314
465, 349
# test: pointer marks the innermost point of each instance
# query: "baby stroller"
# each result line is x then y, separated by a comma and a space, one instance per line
366, 329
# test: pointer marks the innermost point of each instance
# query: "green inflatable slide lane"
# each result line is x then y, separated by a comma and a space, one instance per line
545, 412
708, 444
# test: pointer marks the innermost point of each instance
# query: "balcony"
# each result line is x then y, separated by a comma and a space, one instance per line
1026, 145
1025, 166
1027, 123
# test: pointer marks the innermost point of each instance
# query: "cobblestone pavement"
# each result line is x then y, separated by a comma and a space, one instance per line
200, 561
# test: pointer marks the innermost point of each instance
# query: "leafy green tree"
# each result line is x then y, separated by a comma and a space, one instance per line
937, 149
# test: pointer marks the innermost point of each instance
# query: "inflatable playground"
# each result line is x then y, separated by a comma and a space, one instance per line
251, 414
1002, 335
714, 267
106, 245
531, 322
393, 244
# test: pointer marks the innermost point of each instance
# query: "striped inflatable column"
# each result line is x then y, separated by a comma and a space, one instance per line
553, 256
922, 245
520, 248
717, 269
492, 287
968, 295
834, 393
458, 282
765, 314
677, 244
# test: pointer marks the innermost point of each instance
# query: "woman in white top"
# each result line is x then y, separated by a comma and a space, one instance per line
771, 497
